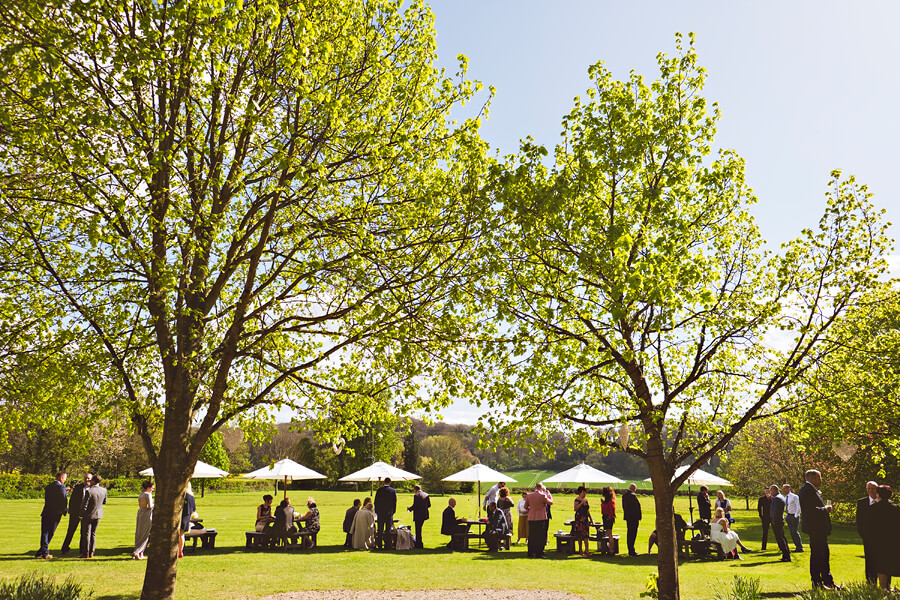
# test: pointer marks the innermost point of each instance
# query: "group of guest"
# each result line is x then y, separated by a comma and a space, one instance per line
878, 524
85, 507
284, 520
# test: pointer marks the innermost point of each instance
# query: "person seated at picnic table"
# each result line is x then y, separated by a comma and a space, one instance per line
264, 513
362, 531
311, 518
725, 504
450, 524
721, 533
496, 529
284, 521
348, 521
680, 527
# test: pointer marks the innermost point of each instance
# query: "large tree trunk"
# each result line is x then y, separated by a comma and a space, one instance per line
171, 473
664, 496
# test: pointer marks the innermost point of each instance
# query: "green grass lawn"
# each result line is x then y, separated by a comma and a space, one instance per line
231, 572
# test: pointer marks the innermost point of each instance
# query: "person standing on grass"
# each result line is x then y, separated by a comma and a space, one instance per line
817, 525
54, 510
421, 504
385, 507
631, 512
886, 541
608, 511
523, 519
536, 504
76, 497
792, 518
581, 528
492, 494
91, 513
777, 514
764, 510
865, 527
703, 504
144, 520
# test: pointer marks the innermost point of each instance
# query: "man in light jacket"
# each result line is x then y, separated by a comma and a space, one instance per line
91, 513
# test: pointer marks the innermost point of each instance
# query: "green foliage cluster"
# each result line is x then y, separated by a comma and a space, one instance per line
42, 587
20, 485
742, 588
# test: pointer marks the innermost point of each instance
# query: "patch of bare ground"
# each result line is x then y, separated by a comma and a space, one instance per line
425, 595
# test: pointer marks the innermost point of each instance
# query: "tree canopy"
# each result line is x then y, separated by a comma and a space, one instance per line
241, 204
632, 287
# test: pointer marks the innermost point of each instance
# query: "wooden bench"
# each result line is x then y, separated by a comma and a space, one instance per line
207, 538
565, 542
702, 548
463, 541
264, 540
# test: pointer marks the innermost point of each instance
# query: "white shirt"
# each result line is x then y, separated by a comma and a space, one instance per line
523, 512
792, 501
491, 495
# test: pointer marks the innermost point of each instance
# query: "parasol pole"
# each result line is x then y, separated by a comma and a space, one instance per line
285, 487
479, 499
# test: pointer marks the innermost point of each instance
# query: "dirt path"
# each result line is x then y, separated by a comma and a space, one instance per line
425, 595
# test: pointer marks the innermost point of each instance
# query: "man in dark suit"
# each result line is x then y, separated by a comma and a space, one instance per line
385, 507
703, 504
348, 521
777, 518
865, 526
76, 497
450, 525
764, 510
421, 504
816, 523
91, 513
631, 512
54, 509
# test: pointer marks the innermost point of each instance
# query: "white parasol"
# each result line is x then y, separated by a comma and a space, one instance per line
698, 477
201, 471
285, 469
583, 474
479, 472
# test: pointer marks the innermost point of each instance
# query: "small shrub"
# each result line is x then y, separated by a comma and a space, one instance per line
38, 587
652, 587
741, 589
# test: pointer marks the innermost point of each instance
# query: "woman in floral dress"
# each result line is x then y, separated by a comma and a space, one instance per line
581, 529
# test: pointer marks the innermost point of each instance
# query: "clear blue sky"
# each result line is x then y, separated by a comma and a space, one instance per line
804, 87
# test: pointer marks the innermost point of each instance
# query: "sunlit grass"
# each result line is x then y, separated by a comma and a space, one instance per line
232, 572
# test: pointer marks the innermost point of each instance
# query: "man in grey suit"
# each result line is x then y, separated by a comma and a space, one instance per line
91, 513
76, 497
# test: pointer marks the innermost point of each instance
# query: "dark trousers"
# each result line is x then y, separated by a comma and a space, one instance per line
419, 533
778, 532
537, 537
48, 528
871, 569
382, 530
88, 536
347, 542
819, 561
793, 524
765, 532
74, 522
632, 535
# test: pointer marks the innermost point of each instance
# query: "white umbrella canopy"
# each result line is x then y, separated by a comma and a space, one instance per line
202, 470
378, 471
698, 477
583, 474
479, 472
285, 469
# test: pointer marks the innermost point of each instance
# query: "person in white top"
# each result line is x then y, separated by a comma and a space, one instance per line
491, 495
792, 515
523, 519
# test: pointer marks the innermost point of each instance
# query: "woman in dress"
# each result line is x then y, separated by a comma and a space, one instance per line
144, 518
187, 509
505, 503
608, 513
362, 531
720, 532
725, 504
523, 519
264, 513
311, 518
886, 515
581, 528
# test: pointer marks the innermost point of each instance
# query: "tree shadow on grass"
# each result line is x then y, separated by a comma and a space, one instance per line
116, 597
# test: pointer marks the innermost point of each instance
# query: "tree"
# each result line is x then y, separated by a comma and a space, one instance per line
762, 454
442, 455
855, 393
411, 457
241, 204
630, 286
214, 452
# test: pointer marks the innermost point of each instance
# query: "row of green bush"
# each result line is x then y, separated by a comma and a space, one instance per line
16, 486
